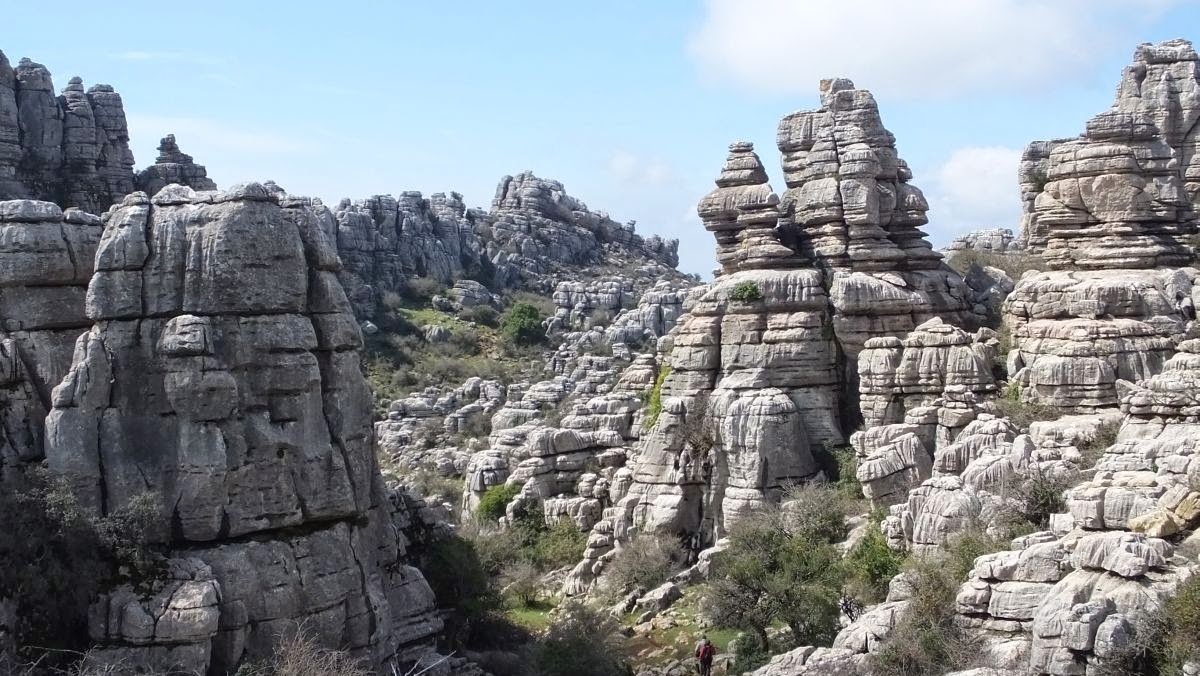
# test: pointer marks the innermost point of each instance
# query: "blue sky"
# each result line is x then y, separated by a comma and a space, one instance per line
630, 104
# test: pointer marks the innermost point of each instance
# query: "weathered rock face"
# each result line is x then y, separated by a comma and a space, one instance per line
45, 264
173, 166
71, 149
538, 228
384, 240
852, 211
222, 374
994, 241
1115, 208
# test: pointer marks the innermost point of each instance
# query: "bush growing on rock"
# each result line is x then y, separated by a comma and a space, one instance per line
522, 325
746, 292
654, 402
582, 641
646, 561
298, 654
1022, 414
495, 501
421, 288
870, 565
779, 568
457, 576
55, 558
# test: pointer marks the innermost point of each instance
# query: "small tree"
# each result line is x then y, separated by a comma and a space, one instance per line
522, 325
646, 562
583, 641
767, 574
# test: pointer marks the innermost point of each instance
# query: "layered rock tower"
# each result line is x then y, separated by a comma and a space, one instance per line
71, 149
1112, 213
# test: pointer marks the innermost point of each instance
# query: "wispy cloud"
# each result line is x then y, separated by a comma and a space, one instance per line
169, 57
914, 50
197, 135
633, 169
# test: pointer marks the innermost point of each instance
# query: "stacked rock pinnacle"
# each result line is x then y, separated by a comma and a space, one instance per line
849, 199
1112, 214
173, 166
71, 149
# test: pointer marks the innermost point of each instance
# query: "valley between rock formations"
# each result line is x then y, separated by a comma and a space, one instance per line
244, 429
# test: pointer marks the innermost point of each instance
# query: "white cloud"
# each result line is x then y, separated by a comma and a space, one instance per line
632, 169
198, 136
914, 49
972, 190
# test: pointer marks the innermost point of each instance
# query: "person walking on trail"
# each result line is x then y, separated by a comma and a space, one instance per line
705, 652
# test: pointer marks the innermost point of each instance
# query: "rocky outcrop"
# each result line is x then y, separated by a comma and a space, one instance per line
222, 375
537, 228
994, 241
385, 240
71, 149
173, 166
1113, 220
45, 264
850, 208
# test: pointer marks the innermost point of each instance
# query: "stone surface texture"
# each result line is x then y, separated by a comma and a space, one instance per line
1112, 215
71, 148
222, 374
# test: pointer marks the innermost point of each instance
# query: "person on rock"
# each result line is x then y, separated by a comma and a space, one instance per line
705, 652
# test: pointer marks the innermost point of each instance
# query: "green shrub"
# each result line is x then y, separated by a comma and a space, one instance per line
767, 575
1178, 637
1094, 448
522, 325
429, 483
746, 292
55, 558
495, 501
481, 314
654, 399
870, 566
559, 545
1020, 413
840, 465
522, 583
749, 653
1040, 494
582, 641
646, 561
815, 512
460, 583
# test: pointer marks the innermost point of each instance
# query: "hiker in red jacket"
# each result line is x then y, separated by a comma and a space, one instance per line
705, 652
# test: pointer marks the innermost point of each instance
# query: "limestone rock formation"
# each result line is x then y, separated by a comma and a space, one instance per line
994, 241
173, 166
1113, 218
45, 264
71, 149
385, 240
851, 209
537, 228
222, 375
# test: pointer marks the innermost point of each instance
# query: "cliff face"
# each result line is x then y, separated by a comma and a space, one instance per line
45, 264
222, 375
71, 149
1112, 214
